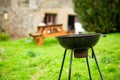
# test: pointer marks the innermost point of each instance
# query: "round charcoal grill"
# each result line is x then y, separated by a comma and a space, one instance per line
81, 41
79, 45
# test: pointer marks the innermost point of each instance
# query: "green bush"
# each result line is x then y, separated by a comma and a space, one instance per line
4, 37
99, 15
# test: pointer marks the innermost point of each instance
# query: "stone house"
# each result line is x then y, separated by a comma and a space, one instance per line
21, 17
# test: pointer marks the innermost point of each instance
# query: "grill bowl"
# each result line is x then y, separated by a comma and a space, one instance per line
78, 41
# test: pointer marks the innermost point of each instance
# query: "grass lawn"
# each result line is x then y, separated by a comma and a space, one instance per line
24, 60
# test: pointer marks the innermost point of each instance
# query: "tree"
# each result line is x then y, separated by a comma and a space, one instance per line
99, 15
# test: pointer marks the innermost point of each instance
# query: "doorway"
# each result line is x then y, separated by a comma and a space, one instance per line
71, 20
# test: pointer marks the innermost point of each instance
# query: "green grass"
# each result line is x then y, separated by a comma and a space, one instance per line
24, 60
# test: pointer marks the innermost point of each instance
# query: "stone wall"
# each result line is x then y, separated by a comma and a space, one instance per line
24, 15
19, 23
21, 19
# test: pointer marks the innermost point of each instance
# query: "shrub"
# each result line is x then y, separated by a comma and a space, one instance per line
98, 15
4, 37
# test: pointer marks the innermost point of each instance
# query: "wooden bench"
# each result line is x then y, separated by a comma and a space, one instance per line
47, 31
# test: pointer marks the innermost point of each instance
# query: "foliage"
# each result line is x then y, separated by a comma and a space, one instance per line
4, 37
98, 15
24, 60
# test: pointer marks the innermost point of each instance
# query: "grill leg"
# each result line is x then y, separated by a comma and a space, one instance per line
97, 64
62, 64
88, 68
70, 67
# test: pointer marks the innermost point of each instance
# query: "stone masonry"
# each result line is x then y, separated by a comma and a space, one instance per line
23, 16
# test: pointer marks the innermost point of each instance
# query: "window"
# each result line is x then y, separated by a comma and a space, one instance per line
50, 19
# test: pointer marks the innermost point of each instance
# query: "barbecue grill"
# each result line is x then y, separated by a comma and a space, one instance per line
79, 45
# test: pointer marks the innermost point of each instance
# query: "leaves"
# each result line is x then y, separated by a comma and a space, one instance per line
98, 15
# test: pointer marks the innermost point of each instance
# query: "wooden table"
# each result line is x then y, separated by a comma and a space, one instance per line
47, 31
